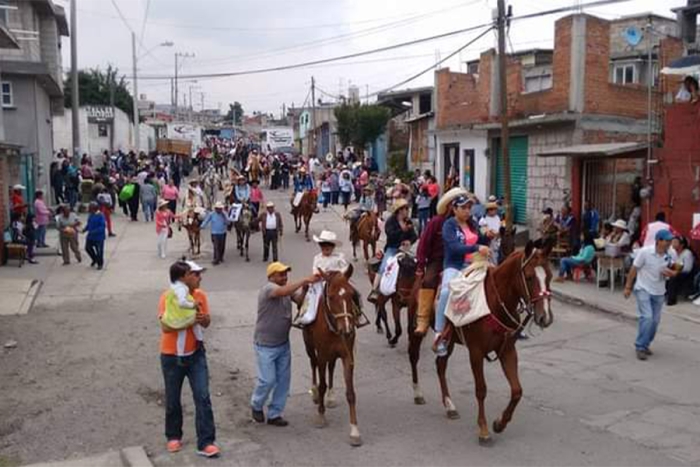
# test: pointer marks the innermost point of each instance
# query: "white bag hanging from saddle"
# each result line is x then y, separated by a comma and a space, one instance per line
235, 212
387, 284
310, 306
466, 302
297, 199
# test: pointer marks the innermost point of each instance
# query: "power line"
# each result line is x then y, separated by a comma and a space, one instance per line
145, 20
128, 26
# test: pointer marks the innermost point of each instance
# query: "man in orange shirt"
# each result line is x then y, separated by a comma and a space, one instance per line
182, 355
18, 205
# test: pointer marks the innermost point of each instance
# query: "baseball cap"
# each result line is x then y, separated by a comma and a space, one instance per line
664, 234
276, 267
194, 267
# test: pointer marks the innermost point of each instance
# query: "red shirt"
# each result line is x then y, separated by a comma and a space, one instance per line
430, 247
433, 189
18, 204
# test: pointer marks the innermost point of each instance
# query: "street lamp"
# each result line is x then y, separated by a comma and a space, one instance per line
137, 129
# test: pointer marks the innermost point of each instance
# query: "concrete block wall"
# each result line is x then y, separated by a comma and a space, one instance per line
24, 18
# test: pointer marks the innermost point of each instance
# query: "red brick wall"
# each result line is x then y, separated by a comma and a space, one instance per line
458, 98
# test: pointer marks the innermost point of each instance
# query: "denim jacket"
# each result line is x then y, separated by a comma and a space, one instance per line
455, 248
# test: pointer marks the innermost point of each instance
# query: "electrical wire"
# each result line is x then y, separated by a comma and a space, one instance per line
145, 20
128, 26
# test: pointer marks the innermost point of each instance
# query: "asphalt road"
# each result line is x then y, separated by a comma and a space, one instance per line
85, 378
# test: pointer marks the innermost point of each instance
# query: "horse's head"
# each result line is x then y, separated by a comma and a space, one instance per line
311, 198
407, 276
538, 275
338, 296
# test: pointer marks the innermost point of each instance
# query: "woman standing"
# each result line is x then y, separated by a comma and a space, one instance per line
171, 194
42, 214
461, 239
164, 216
346, 188
68, 224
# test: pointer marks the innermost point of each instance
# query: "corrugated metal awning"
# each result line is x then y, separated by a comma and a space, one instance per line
597, 150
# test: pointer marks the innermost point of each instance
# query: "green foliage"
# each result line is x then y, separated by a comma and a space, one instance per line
359, 125
235, 113
94, 89
398, 165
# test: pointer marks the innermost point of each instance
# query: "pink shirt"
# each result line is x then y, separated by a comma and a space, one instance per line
163, 219
256, 195
364, 178
41, 212
170, 193
470, 238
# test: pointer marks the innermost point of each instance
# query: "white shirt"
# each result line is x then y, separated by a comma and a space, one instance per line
493, 223
650, 265
334, 262
271, 221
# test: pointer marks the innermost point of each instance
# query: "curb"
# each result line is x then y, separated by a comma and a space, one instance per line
28, 302
135, 456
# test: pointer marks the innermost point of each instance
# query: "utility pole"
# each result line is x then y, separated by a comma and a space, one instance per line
175, 95
313, 115
202, 95
75, 97
112, 84
137, 129
505, 134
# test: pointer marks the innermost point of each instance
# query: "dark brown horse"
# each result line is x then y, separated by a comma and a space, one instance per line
193, 225
243, 228
406, 296
519, 286
332, 337
365, 230
305, 211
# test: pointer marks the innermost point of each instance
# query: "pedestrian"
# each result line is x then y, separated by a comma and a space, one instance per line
182, 355
651, 267
219, 225
171, 195
590, 221
17, 203
135, 199
490, 226
271, 340
326, 193
95, 240
68, 223
23, 232
423, 202
270, 223
149, 196
105, 203
57, 182
346, 188
649, 233
43, 215
335, 187
164, 216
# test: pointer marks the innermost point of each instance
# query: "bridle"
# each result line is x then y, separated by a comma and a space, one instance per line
349, 316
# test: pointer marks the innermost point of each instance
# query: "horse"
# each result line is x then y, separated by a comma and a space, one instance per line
366, 230
330, 337
305, 211
519, 285
193, 226
210, 183
406, 296
243, 228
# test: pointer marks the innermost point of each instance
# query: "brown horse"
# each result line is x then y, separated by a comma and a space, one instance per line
365, 230
332, 337
406, 296
520, 285
193, 226
305, 211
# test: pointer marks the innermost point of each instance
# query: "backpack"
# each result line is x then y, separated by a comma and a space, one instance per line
127, 192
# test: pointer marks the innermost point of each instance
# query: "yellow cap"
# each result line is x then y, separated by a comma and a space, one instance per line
277, 267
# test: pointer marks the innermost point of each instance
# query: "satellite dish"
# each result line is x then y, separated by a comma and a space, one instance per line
632, 35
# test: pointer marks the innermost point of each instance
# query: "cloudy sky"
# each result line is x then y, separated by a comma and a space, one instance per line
239, 35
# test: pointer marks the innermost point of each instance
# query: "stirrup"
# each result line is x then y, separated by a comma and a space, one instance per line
362, 320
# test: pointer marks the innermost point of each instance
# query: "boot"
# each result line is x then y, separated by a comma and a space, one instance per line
426, 299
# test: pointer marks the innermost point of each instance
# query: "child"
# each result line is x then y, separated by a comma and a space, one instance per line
180, 307
256, 198
423, 203
30, 235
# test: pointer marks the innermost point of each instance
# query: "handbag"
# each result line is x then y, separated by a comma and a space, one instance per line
170, 232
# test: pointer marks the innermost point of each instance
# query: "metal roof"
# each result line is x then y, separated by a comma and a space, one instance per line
595, 150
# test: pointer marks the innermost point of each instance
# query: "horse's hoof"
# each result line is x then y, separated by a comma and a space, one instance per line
452, 415
380, 330
320, 421
485, 441
247, 260
392, 345
420, 401
331, 404
498, 427
314, 395
355, 441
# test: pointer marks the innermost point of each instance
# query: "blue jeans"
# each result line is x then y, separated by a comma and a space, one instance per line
41, 235
274, 376
566, 265
388, 254
96, 250
423, 218
447, 275
649, 311
149, 208
195, 368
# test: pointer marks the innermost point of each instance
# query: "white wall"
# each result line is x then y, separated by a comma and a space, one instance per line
467, 139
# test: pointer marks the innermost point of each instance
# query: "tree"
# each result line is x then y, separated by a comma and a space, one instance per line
235, 113
360, 125
94, 87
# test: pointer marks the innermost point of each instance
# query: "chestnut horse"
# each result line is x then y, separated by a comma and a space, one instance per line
330, 337
519, 286
305, 211
193, 226
365, 230
406, 296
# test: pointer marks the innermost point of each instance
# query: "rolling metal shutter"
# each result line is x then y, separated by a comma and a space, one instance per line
518, 176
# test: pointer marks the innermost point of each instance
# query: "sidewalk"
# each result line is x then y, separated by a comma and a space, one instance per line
128, 457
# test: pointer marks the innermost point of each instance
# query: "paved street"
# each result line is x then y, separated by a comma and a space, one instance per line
85, 378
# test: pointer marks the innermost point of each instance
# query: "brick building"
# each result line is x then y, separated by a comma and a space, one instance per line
578, 116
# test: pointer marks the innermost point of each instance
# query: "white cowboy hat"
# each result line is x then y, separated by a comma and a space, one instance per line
620, 224
397, 181
270, 204
492, 199
19, 187
448, 197
199, 210
162, 202
328, 237
219, 205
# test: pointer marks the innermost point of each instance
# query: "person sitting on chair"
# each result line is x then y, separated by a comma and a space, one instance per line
584, 258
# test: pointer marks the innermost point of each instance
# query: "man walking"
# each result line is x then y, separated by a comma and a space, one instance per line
272, 349
271, 225
651, 268
95, 239
219, 223
182, 355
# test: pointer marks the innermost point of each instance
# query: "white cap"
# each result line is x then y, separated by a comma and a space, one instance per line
194, 267
19, 187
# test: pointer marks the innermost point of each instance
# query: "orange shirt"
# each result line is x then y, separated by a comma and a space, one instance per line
184, 342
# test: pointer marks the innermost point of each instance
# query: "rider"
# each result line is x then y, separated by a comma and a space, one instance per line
303, 181
461, 239
241, 192
400, 234
366, 206
430, 257
193, 202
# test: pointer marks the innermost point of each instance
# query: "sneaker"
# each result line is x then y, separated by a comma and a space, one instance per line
641, 355
174, 445
277, 421
696, 301
210, 450
258, 416
648, 352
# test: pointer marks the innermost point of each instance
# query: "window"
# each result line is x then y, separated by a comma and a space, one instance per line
102, 130
538, 83
4, 12
7, 98
625, 74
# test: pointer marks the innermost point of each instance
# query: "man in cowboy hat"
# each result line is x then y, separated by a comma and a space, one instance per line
430, 256
219, 225
17, 202
270, 223
490, 225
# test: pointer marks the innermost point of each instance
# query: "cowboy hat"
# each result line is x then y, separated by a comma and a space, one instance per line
327, 237
491, 205
448, 197
19, 187
162, 202
397, 181
219, 205
270, 204
492, 199
398, 204
199, 210
620, 224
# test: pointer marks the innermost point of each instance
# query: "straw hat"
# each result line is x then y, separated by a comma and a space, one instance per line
620, 224
328, 237
219, 205
491, 206
162, 202
447, 198
398, 204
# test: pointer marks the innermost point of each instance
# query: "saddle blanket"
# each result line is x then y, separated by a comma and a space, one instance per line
309, 307
466, 302
235, 212
387, 284
297, 199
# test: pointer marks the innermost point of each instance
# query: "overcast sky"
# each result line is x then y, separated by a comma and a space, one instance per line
237, 35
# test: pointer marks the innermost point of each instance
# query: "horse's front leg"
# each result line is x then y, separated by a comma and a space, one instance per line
354, 251
349, 369
509, 363
330, 399
441, 364
365, 250
414, 343
476, 358
396, 313
307, 221
247, 243
322, 387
